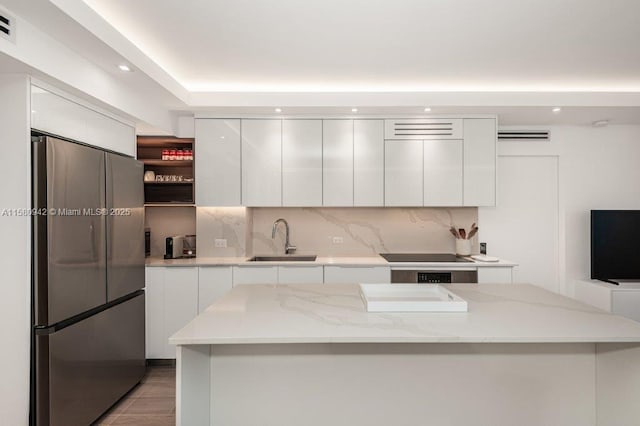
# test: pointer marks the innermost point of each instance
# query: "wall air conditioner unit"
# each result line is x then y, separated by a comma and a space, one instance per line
7, 26
524, 135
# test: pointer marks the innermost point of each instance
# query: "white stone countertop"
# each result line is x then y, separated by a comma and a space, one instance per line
334, 313
373, 260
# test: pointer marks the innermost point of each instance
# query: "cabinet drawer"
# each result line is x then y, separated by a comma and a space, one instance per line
255, 275
357, 274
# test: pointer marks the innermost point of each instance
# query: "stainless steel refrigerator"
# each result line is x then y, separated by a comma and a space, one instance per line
88, 274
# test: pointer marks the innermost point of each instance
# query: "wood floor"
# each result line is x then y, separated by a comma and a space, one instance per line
152, 402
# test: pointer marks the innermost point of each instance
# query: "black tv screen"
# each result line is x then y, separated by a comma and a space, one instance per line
615, 245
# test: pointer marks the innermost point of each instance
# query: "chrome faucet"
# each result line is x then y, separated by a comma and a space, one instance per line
288, 248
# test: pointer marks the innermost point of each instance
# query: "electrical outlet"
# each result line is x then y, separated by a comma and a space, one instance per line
220, 242
337, 240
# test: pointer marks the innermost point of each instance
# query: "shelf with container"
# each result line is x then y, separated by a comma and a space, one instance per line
169, 169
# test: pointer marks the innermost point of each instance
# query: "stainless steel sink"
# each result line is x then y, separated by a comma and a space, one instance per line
290, 258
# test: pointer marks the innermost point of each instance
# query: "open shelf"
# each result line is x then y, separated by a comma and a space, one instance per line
167, 163
168, 183
149, 149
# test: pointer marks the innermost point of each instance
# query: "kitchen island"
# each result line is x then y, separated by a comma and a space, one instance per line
312, 355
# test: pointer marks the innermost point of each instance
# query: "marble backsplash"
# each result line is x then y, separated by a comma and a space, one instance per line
363, 231
229, 223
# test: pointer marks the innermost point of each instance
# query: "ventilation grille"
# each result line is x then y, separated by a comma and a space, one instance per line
7, 26
423, 129
524, 135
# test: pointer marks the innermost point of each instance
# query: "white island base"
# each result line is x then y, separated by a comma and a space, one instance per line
257, 358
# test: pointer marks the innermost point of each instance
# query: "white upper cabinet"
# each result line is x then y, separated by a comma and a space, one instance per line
60, 116
479, 162
403, 173
262, 162
301, 163
423, 128
368, 163
442, 172
337, 163
217, 162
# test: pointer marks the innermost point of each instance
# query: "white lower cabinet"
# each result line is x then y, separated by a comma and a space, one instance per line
618, 299
300, 275
171, 302
495, 275
255, 275
357, 274
277, 275
175, 296
213, 283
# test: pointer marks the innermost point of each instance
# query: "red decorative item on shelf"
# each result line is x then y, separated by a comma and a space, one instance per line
172, 154
179, 155
165, 154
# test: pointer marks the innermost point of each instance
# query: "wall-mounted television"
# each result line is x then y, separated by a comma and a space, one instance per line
615, 245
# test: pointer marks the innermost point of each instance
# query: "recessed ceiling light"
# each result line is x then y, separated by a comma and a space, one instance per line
556, 109
354, 109
427, 109
278, 109
124, 67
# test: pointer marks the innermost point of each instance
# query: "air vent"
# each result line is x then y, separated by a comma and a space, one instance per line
7, 24
423, 129
524, 135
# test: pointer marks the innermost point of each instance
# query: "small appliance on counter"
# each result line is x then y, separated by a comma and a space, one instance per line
180, 247
189, 246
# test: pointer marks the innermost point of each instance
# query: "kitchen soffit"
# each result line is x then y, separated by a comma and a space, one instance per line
407, 45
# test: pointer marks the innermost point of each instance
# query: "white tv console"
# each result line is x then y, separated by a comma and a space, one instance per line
621, 299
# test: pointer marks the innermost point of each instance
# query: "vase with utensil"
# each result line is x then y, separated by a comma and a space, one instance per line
463, 239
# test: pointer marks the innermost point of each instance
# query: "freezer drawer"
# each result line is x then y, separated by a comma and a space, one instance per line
83, 369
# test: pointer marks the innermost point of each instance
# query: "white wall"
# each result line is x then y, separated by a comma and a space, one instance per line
15, 254
598, 169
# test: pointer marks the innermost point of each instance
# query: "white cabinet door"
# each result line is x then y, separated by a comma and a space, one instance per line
495, 275
302, 163
213, 283
180, 301
261, 162
58, 115
300, 275
337, 163
479, 162
403, 173
255, 275
442, 172
154, 313
357, 274
368, 163
217, 162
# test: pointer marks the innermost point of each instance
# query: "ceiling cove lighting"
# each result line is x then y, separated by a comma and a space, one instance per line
125, 68
556, 110
427, 109
278, 109
354, 109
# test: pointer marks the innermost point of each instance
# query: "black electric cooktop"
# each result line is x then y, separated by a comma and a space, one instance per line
422, 257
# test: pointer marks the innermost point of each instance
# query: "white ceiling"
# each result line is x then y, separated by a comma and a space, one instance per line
382, 45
